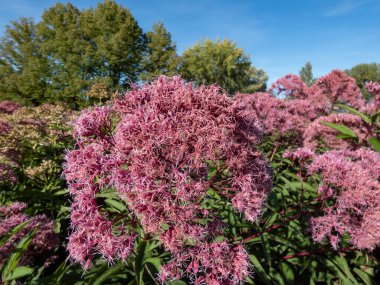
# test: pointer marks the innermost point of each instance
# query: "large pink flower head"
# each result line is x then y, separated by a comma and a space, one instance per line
351, 180
44, 239
339, 87
164, 147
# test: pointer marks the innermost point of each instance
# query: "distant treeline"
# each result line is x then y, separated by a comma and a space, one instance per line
69, 50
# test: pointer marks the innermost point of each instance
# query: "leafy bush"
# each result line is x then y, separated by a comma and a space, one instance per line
184, 185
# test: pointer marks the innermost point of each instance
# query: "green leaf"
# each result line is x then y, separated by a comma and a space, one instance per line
342, 129
142, 254
155, 261
375, 144
231, 220
15, 230
375, 116
355, 112
287, 272
340, 270
177, 282
19, 272
367, 279
99, 280
61, 192
258, 268
284, 242
118, 206
59, 273
15, 257
342, 263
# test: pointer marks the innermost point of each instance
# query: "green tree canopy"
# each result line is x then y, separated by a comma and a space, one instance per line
23, 67
64, 46
161, 56
116, 43
223, 63
306, 74
364, 73
69, 50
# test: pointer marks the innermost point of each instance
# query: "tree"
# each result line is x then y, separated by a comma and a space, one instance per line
256, 80
105, 42
65, 47
23, 68
364, 73
161, 56
58, 58
306, 74
117, 43
219, 62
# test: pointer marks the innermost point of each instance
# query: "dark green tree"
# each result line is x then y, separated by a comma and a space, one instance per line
256, 80
364, 73
219, 62
83, 46
59, 58
63, 44
116, 43
306, 74
23, 68
161, 56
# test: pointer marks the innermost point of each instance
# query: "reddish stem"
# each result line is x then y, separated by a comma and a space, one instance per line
271, 228
307, 253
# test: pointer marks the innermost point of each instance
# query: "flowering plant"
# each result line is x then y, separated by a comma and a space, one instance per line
172, 152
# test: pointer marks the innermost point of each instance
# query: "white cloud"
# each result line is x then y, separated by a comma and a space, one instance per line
345, 6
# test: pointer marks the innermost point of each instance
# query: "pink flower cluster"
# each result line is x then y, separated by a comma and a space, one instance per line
44, 239
5, 128
7, 174
352, 180
271, 112
297, 104
157, 147
373, 105
8, 107
339, 87
300, 156
218, 262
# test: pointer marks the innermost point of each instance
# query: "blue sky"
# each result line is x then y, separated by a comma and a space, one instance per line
278, 35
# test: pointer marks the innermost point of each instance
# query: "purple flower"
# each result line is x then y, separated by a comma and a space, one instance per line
44, 239
351, 179
155, 146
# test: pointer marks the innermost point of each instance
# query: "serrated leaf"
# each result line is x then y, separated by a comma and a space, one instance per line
340, 272
141, 255
177, 282
15, 230
118, 206
365, 277
109, 272
375, 116
258, 268
342, 129
355, 112
60, 192
15, 256
287, 272
19, 272
375, 144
